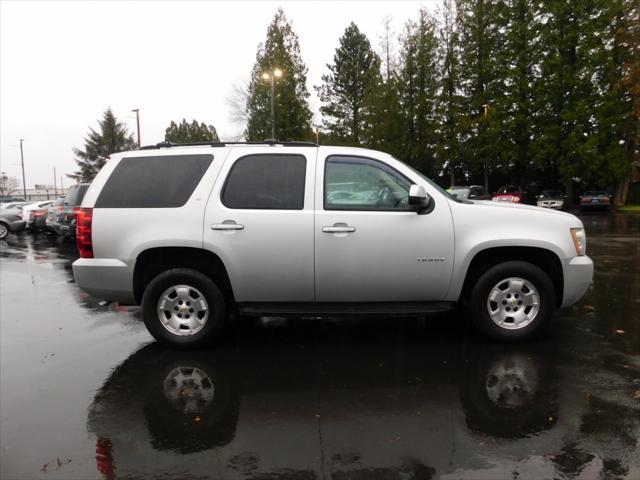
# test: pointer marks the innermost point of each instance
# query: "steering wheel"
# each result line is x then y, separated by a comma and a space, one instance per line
384, 195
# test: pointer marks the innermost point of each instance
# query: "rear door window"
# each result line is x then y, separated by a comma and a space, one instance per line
266, 181
165, 181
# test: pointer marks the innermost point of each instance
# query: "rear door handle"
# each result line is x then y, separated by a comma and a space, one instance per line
339, 228
227, 225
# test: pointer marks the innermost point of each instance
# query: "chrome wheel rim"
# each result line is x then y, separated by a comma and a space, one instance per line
188, 389
183, 310
3, 231
513, 303
512, 383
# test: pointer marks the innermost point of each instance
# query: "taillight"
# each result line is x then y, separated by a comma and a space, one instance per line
515, 199
76, 212
104, 458
83, 232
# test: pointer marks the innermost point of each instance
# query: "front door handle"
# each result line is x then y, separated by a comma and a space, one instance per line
339, 228
227, 225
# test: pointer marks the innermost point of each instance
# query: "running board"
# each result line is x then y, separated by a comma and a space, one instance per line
304, 309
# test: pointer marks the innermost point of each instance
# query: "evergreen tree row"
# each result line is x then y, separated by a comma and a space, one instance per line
515, 91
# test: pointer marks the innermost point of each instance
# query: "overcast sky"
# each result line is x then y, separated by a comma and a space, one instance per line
63, 63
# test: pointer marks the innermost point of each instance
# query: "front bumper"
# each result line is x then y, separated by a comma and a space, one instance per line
105, 278
578, 275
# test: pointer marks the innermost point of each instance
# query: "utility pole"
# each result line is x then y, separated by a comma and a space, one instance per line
137, 112
55, 185
61, 185
24, 183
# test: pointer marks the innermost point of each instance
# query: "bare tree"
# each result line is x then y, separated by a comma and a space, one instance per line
8, 185
236, 102
387, 47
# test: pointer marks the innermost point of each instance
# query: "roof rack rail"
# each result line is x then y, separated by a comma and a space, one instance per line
268, 141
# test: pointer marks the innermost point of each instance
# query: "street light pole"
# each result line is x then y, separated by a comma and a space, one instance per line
137, 112
271, 76
24, 183
485, 107
273, 108
55, 184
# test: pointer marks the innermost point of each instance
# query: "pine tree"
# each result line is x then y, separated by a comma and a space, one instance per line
418, 91
383, 119
293, 118
449, 103
112, 137
520, 55
587, 112
353, 76
481, 37
190, 132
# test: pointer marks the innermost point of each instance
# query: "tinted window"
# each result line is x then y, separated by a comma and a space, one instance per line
273, 182
76, 194
354, 183
153, 182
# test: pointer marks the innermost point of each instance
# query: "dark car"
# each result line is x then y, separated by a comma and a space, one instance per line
64, 216
471, 192
10, 222
551, 199
595, 199
514, 194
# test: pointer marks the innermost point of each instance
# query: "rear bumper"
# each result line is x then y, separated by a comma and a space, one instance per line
16, 225
578, 275
105, 278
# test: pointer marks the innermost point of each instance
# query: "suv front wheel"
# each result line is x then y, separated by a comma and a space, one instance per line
183, 308
512, 300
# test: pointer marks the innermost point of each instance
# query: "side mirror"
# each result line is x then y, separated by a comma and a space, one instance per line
418, 198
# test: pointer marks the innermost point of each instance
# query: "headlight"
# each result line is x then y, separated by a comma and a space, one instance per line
579, 241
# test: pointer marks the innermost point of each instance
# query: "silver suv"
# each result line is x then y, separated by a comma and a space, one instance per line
294, 229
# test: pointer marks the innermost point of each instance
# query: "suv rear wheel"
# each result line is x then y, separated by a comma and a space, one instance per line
183, 308
512, 300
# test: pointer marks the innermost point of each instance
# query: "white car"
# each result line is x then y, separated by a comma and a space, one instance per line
195, 232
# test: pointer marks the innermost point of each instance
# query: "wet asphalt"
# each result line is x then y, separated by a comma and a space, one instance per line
86, 394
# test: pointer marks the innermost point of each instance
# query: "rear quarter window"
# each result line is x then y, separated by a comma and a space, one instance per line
76, 194
153, 182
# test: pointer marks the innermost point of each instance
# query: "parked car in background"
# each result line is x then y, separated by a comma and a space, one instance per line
195, 232
15, 206
595, 199
65, 215
52, 211
472, 192
5, 199
10, 222
551, 199
35, 214
513, 194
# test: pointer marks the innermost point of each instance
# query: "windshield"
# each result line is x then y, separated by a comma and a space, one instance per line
431, 182
595, 193
459, 192
508, 189
550, 193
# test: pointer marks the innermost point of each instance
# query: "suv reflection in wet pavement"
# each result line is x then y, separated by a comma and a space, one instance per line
307, 399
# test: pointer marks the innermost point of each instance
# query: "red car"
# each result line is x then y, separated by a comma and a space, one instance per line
595, 199
512, 194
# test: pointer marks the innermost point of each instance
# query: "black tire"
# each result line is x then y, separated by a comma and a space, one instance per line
5, 233
217, 308
482, 288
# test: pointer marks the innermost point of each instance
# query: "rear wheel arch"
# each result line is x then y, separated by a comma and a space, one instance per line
154, 261
545, 259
